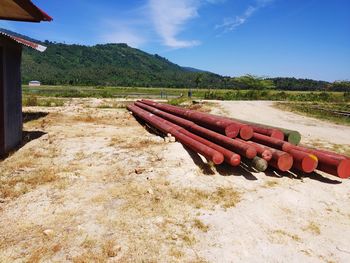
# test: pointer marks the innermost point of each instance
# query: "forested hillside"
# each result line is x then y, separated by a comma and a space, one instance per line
121, 65
109, 64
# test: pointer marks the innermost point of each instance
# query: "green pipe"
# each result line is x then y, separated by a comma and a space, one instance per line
291, 136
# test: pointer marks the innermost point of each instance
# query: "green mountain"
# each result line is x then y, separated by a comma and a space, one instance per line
109, 65
121, 65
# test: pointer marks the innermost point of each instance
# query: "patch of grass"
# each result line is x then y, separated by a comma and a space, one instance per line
224, 197
128, 143
113, 105
313, 228
89, 243
90, 256
12, 186
42, 253
180, 101
33, 100
176, 253
30, 101
306, 252
110, 248
200, 225
281, 233
188, 238
148, 92
269, 184
322, 111
85, 118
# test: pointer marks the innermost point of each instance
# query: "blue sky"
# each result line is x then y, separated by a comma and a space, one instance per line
300, 38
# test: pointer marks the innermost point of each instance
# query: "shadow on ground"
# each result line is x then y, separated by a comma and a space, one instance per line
27, 136
31, 116
244, 169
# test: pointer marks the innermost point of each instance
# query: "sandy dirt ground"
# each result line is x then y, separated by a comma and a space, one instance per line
93, 185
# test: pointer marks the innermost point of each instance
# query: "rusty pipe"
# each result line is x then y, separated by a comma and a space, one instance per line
240, 147
334, 165
226, 126
230, 157
262, 152
303, 161
280, 160
270, 141
209, 153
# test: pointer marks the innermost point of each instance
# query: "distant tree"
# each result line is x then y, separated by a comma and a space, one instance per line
343, 85
198, 80
254, 82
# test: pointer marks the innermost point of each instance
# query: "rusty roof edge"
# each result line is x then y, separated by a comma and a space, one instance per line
37, 13
23, 41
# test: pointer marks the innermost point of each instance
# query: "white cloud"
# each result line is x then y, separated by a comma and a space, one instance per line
169, 18
230, 24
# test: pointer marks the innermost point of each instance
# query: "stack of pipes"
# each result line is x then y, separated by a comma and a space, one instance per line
220, 139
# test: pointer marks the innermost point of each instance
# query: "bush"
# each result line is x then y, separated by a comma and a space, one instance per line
32, 100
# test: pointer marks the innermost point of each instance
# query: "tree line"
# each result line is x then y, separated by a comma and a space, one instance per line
121, 65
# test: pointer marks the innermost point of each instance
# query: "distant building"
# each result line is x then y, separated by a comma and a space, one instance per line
10, 69
34, 83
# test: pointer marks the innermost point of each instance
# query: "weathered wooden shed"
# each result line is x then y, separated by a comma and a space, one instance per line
10, 88
10, 69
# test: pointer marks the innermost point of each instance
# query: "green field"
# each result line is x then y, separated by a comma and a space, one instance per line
338, 113
321, 105
221, 94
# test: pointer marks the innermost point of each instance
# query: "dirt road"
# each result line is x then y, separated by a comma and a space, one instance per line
93, 185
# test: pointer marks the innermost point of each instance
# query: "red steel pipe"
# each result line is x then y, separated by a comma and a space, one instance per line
274, 133
270, 141
280, 160
240, 147
328, 162
271, 132
331, 154
229, 127
211, 154
334, 165
303, 161
230, 157
170, 117
261, 151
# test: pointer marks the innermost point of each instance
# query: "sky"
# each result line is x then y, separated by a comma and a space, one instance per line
267, 38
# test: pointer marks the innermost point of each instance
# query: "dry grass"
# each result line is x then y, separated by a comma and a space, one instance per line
200, 225
12, 186
161, 216
133, 224
86, 118
279, 236
129, 143
269, 184
39, 254
176, 253
113, 105
313, 228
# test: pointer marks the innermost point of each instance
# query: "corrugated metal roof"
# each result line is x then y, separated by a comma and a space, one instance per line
22, 40
22, 10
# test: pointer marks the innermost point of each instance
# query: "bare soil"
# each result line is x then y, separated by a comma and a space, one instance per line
91, 184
